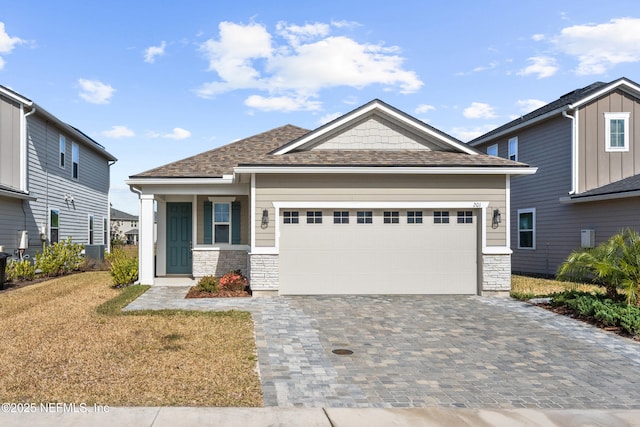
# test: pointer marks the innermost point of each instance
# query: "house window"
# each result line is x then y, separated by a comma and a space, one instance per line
75, 159
314, 217
341, 217
54, 225
616, 131
134, 224
221, 222
391, 217
291, 217
91, 229
441, 217
465, 217
414, 217
105, 230
62, 150
526, 228
364, 217
492, 150
513, 149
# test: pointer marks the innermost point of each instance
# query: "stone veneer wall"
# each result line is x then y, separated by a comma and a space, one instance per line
496, 273
218, 262
264, 272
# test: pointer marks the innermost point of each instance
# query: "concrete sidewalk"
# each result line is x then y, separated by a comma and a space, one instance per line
336, 417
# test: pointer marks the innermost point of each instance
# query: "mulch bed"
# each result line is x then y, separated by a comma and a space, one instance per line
195, 293
566, 311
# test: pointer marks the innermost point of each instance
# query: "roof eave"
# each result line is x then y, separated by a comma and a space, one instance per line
600, 197
418, 170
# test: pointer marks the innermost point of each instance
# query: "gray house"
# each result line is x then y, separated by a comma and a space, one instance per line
586, 145
54, 179
374, 202
124, 226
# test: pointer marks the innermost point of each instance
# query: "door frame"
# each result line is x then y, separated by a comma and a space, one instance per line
187, 268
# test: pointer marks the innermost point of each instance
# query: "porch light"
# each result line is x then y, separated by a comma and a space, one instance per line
497, 218
265, 218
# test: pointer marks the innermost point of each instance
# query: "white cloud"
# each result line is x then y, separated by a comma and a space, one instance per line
479, 110
296, 62
152, 52
177, 134
542, 66
95, 92
538, 37
467, 134
328, 117
7, 43
118, 132
424, 108
281, 103
528, 105
600, 47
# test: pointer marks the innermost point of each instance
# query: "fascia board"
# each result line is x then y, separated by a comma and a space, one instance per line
390, 170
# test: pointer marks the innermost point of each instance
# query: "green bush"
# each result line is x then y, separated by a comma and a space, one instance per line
208, 284
59, 258
123, 268
20, 270
630, 320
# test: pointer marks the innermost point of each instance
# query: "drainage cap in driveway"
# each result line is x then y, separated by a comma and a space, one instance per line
342, 351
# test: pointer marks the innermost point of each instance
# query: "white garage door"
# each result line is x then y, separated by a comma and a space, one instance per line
378, 251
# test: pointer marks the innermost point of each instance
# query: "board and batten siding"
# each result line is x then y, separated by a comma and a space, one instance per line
10, 159
596, 166
378, 188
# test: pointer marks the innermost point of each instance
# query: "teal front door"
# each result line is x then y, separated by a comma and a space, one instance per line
179, 237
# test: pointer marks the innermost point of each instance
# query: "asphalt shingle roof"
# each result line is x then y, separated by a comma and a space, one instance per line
631, 183
117, 214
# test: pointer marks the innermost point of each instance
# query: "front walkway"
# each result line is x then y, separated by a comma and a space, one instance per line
425, 351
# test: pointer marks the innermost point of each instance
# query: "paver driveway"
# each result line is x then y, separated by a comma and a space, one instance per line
417, 351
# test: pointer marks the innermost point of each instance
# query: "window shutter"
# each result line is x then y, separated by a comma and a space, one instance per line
208, 223
235, 223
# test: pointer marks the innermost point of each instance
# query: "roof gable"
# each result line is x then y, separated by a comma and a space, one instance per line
383, 126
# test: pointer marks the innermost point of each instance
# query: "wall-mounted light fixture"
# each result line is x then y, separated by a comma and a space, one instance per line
496, 219
265, 218
68, 198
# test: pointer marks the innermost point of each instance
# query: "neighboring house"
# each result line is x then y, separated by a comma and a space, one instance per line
586, 146
54, 179
374, 202
124, 227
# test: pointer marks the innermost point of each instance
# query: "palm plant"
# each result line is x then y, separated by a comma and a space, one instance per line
613, 264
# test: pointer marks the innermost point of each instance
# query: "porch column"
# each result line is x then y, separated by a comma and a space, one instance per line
145, 251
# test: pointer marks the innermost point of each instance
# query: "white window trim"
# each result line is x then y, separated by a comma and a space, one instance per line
607, 131
91, 217
62, 151
75, 147
533, 234
415, 217
49, 223
464, 217
291, 217
365, 217
513, 153
391, 217
492, 147
341, 217
213, 219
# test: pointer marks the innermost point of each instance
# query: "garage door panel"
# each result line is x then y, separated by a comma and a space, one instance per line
378, 258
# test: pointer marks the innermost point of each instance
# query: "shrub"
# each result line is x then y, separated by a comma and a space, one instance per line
123, 268
234, 281
208, 284
20, 270
59, 258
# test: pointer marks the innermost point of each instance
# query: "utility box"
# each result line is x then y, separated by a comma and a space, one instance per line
95, 252
588, 238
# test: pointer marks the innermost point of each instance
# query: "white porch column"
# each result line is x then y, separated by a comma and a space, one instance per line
145, 251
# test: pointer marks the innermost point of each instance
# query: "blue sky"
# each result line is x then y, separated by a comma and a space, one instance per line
155, 82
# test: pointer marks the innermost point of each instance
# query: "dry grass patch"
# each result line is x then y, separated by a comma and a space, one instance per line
524, 287
55, 347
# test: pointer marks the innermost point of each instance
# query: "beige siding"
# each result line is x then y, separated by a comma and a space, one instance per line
378, 188
597, 167
10, 162
244, 214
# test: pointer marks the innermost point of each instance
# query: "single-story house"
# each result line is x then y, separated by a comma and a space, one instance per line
374, 202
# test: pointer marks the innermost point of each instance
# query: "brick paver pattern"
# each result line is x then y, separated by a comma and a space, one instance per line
425, 351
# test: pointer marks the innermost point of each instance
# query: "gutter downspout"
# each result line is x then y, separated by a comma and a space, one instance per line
574, 150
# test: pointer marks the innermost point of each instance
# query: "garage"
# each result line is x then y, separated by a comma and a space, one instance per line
378, 251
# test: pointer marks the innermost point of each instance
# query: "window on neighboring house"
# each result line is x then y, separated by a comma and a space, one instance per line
513, 149
91, 229
526, 228
492, 150
414, 217
291, 217
134, 224
63, 144
54, 225
341, 217
75, 160
616, 131
441, 217
105, 231
465, 217
391, 217
364, 217
221, 222
314, 217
